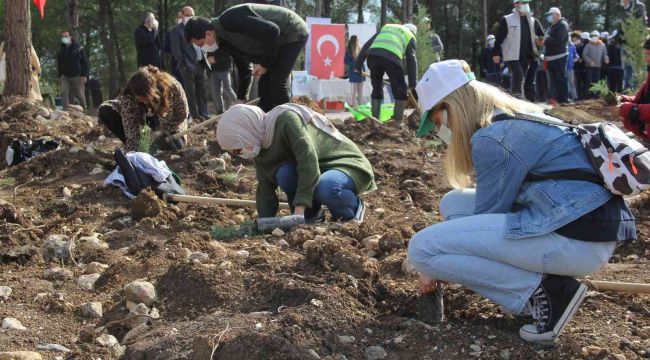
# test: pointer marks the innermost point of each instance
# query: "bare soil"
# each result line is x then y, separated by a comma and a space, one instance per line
279, 302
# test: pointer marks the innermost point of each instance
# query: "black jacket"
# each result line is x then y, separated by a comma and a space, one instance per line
487, 64
557, 39
71, 61
147, 45
638, 10
222, 60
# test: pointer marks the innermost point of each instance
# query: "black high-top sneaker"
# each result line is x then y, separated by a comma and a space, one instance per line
553, 305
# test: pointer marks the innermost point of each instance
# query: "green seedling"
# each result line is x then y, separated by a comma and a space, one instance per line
144, 144
229, 179
8, 182
222, 233
602, 89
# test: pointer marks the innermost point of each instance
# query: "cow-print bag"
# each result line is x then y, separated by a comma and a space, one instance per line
622, 163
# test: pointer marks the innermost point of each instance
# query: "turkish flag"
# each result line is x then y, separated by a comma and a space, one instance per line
327, 50
40, 5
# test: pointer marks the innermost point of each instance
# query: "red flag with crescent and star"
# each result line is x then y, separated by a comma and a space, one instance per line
327, 50
40, 5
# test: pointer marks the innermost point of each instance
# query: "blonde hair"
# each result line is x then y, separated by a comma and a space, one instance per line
470, 108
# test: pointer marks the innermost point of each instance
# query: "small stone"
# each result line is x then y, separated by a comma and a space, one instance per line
198, 256
87, 282
101, 137
592, 351
74, 150
313, 353
239, 218
226, 157
10, 323
399, 152
67, 193
316, 303
96, 170
277, 232
154, 314
93, 243
407, 267
57, 246
632, 257
53, 348
226, 265
96, 268
371, 242
135, 332
139, 316
505, 354
475, 347
346, 339
216, 164
92, 310
320, 230
380, 212
106, 340
375, 353
309, 244
141, 292
241, 253
20, 355
399, 339
57, 273
90, 150
283, 243
258, 327
619, 356
5, 291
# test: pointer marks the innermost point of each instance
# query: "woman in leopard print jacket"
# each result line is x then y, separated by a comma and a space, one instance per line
151, 97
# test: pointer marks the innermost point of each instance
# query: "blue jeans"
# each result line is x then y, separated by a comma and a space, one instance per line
471, 250
335, 190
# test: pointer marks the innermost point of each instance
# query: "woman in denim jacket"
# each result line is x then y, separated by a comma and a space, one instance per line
519, 243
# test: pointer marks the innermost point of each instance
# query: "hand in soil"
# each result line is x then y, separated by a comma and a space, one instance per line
427, 283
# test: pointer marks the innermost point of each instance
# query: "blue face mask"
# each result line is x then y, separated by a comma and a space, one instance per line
549, 19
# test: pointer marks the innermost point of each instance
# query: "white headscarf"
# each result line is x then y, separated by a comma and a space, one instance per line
245, 125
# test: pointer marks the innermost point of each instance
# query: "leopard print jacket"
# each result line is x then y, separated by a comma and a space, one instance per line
133, 115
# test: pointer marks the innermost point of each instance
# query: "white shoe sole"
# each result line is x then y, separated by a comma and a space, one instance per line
527, 333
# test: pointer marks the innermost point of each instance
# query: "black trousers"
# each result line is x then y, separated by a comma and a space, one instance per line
581, 83
378, 67
273, 87
559, 81
112, 120
518, 71
615, 80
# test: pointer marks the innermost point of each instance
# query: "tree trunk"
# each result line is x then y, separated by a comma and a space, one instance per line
113, 73
299, 5
72, 18
384, 10
461, 20
485, 22
576, 6
607, 10
318, 8
18, 44
115, 42
360, 12
327, 8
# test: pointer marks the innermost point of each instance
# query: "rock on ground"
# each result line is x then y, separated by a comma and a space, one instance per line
20, 355
5, 291
96, 268
375, 353
141, 292
57, 273
57, 246
87, 282
92, 310
10, 323
106, 340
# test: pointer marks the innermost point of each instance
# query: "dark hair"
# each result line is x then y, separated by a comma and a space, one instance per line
152, 83
353, 46
646, 44
196, 28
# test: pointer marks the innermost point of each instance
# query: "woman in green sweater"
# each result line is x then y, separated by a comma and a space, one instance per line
301, 152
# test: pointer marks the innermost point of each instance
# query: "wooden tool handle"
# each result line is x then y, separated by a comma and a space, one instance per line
635, 288
208, 122
215, 201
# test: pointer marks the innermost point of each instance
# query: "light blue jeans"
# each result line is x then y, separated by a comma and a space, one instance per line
472, 250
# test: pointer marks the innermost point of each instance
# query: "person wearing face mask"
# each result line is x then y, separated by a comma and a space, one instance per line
147, 42
72, 68
517, 40
192, 63
557, 55
268, 35
302, 153
490, 71
571, 65
153, 98
615, 70
635, 110
594, 55
581, 75
521, 236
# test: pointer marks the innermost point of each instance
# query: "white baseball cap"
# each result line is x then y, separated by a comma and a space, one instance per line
412, 28
595, 33
490, 37
604, 35
584, 35
441, 79
553, 10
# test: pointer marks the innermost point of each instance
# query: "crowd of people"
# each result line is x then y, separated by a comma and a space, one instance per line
556, 65
501, 239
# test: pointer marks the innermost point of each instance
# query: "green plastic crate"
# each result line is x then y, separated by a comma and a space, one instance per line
363, 111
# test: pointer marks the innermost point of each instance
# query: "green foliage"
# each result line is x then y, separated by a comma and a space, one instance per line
7, 182
600, 88
221, 233
635, 34
230, 179
144, 144
423, 51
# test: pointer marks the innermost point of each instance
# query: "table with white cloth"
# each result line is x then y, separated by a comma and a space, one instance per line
341, 90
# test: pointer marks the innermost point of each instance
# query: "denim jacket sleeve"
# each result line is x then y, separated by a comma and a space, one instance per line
499, 176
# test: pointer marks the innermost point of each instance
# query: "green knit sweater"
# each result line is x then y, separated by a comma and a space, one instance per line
314, 152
